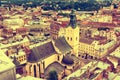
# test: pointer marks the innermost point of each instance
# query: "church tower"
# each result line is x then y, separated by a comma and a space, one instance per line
72, 33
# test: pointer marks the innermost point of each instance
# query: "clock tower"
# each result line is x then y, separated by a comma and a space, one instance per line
72, 33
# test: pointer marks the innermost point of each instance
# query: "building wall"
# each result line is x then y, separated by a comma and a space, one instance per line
111, 35
40, 66
0, 32
87, 48
72, 37
105, 18
118, 50
50, 60
22, 59
7, 33
54, 31
99, 77
61, 32
8, 75
26, 42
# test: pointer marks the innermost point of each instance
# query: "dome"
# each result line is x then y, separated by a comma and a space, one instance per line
67, 60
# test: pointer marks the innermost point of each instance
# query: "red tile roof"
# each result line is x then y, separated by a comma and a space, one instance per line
57, 25
36, 13
64, 24
8, 30
100, 24
21, 30
26, 20
117, 34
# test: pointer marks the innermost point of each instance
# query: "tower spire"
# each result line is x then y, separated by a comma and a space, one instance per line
72, 19
72, 16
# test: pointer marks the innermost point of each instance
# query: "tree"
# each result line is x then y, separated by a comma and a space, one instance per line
53, 75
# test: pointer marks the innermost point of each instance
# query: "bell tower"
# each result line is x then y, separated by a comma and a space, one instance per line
72, 19
72, 32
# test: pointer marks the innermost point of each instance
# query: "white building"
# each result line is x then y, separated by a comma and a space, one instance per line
88, 67
19, 77
7, 68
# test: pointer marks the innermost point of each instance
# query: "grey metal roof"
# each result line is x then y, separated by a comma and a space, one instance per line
62, 45
41, 52
54, 66
86, 40
67, 59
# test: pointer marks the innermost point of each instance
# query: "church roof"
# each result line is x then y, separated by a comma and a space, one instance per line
41, 52
55, 66
68, 60
62, 45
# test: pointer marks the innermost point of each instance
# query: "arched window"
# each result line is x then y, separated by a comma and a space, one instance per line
71, 38
30, 69
76, 38
35, 75
44, 65
67, 38
39, 70
58, 57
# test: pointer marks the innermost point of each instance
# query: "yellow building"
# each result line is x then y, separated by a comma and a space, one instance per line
87, 47
40, 57
72, 33
69, 31
20, 57
46, 57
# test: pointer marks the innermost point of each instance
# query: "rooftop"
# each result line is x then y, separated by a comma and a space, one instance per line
54, 66
14, 44
62, 45
29, 78
86, 40
112, 75
115, 54
117, 77
68, 60
92, 66
41, 52
80, 71
5, 62
99, 24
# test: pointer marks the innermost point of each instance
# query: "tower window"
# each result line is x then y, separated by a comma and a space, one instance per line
58, 58
67, 38
44, 65
71, 39
76, 38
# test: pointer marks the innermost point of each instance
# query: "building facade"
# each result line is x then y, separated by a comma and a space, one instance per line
72, 33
